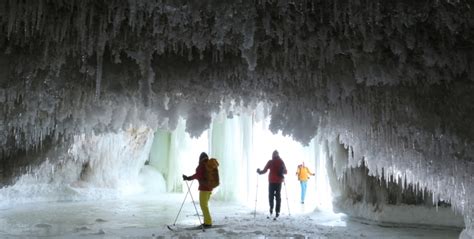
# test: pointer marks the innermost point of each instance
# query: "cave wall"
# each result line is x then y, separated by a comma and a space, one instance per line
391, 201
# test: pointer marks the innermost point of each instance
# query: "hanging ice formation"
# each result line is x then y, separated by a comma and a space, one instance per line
393, 80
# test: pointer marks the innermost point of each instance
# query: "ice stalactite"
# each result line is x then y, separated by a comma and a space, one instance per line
143, 59
385, 200
101, 42
249, 47
299, 50
98, 78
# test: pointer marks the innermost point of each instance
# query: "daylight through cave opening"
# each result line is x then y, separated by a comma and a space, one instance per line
242, 144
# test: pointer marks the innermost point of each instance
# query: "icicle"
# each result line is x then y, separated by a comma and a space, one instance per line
98, 77
100, 54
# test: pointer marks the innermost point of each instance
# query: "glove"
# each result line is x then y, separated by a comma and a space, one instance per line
186, 178
258, 171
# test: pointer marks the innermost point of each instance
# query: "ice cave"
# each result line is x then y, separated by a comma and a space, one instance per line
104, 105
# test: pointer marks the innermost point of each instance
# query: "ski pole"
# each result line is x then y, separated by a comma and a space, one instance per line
256, 196
287, 203
184, 200
192, 199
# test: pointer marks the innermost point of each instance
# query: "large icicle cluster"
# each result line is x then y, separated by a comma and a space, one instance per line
385, 200
392, 78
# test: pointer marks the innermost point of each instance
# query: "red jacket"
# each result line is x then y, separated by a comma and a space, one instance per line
200, 176
277, 169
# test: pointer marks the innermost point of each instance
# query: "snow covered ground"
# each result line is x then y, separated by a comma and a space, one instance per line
147, 218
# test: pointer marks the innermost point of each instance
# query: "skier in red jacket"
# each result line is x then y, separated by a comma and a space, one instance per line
205, 190
275, 178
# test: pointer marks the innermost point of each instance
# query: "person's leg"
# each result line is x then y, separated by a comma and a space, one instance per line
303, 190
209, 222
270, 196
278, 198
204, 197
301, 184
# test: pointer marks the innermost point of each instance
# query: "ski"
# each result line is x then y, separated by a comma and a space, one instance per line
172, 228
175, 228
196, 228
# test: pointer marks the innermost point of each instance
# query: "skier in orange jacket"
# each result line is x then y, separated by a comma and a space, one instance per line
303, 173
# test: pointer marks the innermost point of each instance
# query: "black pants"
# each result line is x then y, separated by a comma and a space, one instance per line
274, 190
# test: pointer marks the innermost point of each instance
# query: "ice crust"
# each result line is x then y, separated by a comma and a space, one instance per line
392, 80
106, 166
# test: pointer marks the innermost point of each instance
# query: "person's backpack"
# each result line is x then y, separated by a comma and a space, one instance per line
212, 173
282, 170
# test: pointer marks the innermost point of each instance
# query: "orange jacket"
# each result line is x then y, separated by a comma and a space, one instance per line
303, 173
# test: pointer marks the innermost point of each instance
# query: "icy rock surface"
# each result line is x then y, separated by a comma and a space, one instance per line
384, 200
94, 167
393, 79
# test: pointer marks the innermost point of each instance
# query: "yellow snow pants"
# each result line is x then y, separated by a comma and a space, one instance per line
204, 197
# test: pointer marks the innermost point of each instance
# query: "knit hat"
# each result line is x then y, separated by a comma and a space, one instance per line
203, 156
275, 154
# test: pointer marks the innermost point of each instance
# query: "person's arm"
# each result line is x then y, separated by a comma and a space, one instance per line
267, 166
198, 175
309, 171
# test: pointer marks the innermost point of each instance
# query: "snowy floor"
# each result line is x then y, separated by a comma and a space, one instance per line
147, 218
